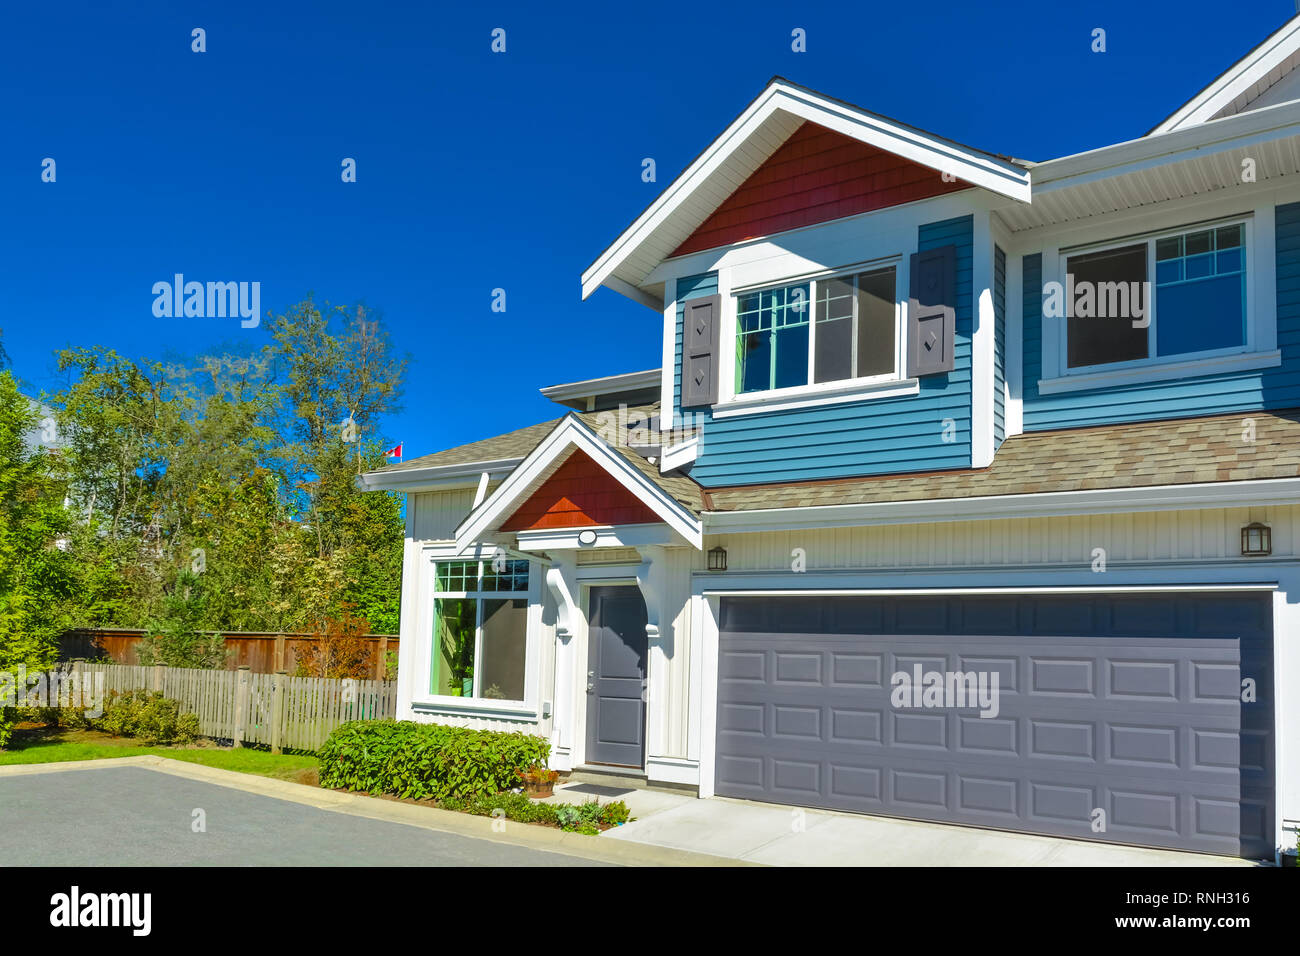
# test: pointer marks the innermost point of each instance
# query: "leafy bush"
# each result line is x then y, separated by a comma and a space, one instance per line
581, 818
153, 718
426, 761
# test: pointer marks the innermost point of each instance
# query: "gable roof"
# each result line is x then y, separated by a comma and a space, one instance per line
677, 501
1233, 90
769, 120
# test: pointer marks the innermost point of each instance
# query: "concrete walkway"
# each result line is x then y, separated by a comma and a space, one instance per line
781, 836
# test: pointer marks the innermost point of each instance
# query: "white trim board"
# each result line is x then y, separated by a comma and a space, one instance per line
1236, 80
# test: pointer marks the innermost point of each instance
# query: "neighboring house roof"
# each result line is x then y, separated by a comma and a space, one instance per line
606, 389
1241, 84
511, 445
1135, 455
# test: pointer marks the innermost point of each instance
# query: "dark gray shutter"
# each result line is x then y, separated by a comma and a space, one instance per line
700, 326
932, 312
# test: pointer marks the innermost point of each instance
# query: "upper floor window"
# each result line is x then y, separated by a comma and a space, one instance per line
835, 329
1168, 295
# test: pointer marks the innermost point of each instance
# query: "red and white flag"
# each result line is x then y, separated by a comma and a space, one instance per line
394, 452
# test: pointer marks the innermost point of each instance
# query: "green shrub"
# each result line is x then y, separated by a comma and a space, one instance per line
426, 761
153, 718
581, 818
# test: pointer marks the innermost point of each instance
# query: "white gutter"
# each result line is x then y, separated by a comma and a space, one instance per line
1231, 132
1222, 494
433, 477
592, 387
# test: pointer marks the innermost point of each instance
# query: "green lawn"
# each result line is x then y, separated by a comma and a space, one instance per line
53, 746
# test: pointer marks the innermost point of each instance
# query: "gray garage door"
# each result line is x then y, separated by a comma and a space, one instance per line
1130, 705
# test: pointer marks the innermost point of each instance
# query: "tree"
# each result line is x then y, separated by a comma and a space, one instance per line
174, 637
220, 494
36, 576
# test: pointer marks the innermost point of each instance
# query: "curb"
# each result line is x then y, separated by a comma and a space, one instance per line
623, 852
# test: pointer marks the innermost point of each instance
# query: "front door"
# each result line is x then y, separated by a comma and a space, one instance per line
616, 671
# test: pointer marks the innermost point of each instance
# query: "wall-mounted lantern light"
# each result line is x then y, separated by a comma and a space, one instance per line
718, 559
1256, 539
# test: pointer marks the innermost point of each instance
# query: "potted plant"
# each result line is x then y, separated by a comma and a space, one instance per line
538, 781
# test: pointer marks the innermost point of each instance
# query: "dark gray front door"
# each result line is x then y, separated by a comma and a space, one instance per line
1125, 704
616, 669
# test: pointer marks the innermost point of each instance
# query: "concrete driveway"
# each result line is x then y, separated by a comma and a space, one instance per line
781, 836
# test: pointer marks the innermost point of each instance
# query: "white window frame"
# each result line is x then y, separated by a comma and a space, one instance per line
423, 698
732, 402
1258, 351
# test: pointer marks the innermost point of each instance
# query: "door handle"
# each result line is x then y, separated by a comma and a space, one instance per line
590, 688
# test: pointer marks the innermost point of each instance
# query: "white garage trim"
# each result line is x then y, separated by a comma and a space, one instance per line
707, 593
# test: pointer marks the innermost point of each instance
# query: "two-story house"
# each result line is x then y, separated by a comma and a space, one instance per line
968, 490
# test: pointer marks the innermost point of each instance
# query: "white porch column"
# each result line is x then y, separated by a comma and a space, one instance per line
651, 577
562, 581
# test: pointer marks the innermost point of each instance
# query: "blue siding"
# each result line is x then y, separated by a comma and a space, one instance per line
1202, 395
690, 287
999, 344
863, 438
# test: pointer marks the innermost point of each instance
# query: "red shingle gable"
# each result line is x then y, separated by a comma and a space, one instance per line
580, 494
816, 175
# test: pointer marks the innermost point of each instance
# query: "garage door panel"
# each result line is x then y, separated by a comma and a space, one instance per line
1149, 729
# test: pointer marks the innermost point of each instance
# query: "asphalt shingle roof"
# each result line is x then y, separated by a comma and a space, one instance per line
1134, 455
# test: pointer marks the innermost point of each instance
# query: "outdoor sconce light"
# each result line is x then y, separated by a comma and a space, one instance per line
586, 538
718, 559
1256, 539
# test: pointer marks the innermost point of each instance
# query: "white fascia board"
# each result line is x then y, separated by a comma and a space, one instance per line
571, 432
678, 455
434, 477
1220, 494
1237, 79
743, 590
972, 166
1207, 139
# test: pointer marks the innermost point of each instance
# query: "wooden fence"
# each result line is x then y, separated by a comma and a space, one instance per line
246, 707
262, 652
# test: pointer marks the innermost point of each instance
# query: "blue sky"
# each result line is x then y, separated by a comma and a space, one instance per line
479, 170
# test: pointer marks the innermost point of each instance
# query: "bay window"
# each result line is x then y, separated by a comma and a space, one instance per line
480, 629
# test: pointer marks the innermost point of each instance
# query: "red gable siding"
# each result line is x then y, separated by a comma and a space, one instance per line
816, 175
578, 495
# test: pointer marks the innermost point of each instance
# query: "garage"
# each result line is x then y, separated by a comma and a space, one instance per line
1125, 703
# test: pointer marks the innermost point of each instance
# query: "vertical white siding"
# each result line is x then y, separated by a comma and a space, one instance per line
1201, 535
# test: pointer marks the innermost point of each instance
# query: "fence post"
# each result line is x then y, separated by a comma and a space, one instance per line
277, 710
77, 693
381, 665
277, 663
241, 703
158, 677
